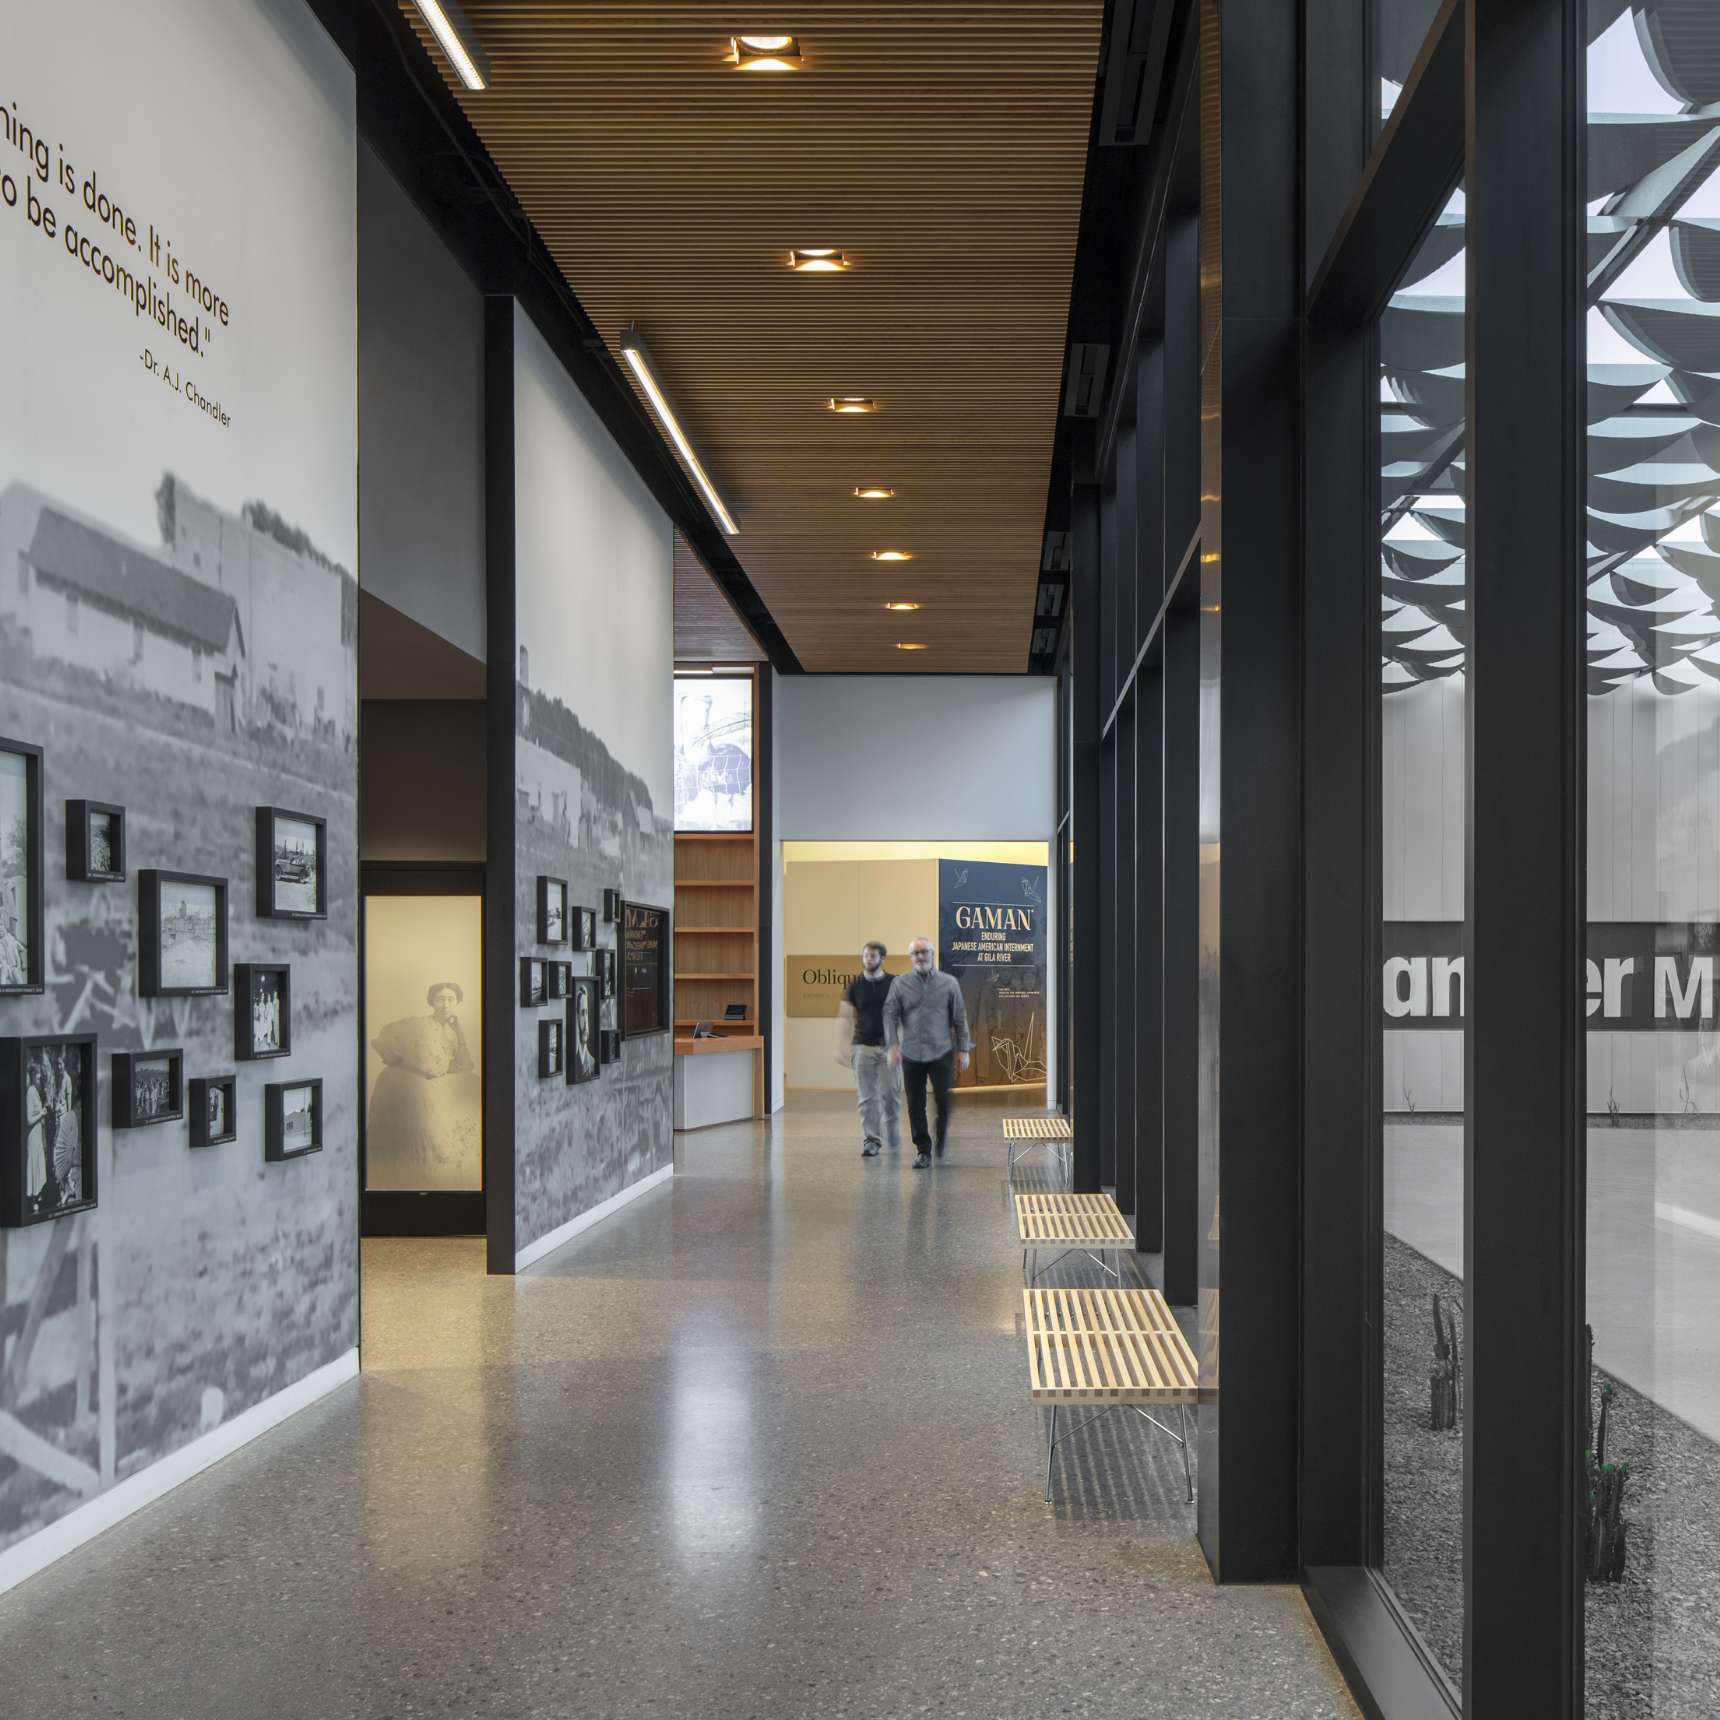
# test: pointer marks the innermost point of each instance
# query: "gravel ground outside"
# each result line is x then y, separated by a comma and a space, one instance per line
1653, 1640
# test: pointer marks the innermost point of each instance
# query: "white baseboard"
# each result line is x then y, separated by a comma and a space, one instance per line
549, 1243
36, 1552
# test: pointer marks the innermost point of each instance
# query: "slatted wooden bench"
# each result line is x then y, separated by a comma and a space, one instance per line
1119, 1349
1087, 1224
1025, 1135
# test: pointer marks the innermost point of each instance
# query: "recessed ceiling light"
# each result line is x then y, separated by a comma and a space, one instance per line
852, 403
909, 645
873, 492
817, 260
900, 606
765, 54
892, 555
448, 25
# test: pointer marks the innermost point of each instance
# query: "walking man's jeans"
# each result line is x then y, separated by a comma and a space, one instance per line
941, 1071
880, 1103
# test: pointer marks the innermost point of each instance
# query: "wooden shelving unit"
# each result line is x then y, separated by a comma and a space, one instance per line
716, 913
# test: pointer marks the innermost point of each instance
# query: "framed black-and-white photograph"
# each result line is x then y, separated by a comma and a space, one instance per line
181, 934
213, 1110
47, 1127
557, 974
292, 1118
552, 1045
606, 975
552, 910
148, 1088
611, 907
534, 986
582, 1029
262, 1010
583, 926
609, 1045
292, 865
20, 868
95, 842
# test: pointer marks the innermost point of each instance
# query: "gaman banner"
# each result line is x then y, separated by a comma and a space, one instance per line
991, 937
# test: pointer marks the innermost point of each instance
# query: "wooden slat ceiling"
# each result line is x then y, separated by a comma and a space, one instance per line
707, 629
941, 146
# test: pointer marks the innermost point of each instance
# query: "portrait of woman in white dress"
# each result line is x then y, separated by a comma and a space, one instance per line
424, 1127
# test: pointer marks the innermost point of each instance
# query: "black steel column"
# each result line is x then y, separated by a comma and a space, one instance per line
1084, 993
1124, 1007
1181, 797
1250, 888
501, 932
1524, 877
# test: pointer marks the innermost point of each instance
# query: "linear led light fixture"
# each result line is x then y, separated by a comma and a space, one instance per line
817, 260
448, 25
874, 492
638, 356
853, 403
892, 555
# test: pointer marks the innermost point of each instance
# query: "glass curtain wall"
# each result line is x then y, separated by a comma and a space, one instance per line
1650, 1546
1423, 624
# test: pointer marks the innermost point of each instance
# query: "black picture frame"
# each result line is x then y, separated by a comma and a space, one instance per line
556, 976
583, 921
642, 982
605, 970
611, 906
150, 945
270, 905
82, 820
552, 1048
277, 1147
22, 924
549, 891
609, 1045
583, 1048
204, 1132
534, 982
247, 1047
127, 1067
16, 1210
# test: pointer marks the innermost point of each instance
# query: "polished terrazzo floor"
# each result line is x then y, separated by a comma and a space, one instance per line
757, 1446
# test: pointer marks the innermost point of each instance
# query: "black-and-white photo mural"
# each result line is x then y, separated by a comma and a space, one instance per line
593, 773
423, 1013
178, 634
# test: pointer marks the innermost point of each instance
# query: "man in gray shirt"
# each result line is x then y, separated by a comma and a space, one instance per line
925, 1025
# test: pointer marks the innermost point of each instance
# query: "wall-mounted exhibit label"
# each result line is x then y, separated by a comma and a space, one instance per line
816, 983
1642, 976
644, 970
991, 936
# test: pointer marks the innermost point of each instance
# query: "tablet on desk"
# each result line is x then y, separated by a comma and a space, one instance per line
734, 1012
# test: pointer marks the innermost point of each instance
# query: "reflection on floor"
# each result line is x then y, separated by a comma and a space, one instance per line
756, 1446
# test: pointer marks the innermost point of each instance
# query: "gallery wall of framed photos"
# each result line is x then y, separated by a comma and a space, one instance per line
586, 631
178, 624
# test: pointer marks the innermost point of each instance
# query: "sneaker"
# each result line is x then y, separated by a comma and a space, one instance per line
922, 1161
870, 1150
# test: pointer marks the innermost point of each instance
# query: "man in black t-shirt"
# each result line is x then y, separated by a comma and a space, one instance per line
862, 1012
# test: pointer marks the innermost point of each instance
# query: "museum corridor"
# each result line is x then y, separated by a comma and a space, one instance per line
759, 1445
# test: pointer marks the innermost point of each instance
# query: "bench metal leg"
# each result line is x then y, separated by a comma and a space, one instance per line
1181, 1439
1098, 1260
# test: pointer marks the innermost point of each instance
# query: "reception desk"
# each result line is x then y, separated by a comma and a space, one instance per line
718, 1080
